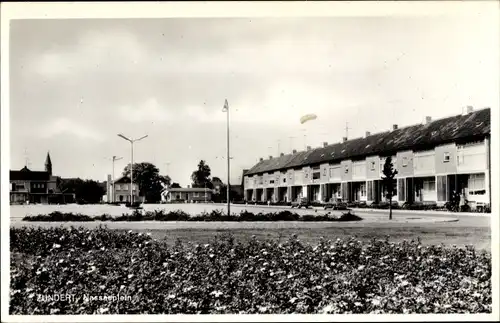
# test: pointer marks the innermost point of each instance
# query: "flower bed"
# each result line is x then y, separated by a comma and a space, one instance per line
232, 277
214, 216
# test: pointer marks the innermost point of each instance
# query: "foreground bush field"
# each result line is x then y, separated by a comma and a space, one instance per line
231, 277
214, 216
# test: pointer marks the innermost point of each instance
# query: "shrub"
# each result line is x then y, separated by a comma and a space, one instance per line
57, 216
253, 277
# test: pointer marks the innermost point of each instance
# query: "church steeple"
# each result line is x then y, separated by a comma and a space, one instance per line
48, 164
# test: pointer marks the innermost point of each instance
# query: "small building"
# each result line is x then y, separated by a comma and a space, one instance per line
27, 186
192, 195
122, 191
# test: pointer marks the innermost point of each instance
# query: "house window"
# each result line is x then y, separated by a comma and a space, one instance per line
404, 162
363, 189
125, 187
446, 157
316, 175
324, 172
284, 180
271, 182
372, 165
307, 175
346, 169
477, 184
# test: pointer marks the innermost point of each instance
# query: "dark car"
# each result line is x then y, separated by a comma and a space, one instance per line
335, 204
301, 202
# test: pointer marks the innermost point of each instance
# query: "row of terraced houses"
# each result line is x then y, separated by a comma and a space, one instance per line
433, 159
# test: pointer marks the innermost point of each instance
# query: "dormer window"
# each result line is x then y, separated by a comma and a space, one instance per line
446, 157
346, 169
372, 165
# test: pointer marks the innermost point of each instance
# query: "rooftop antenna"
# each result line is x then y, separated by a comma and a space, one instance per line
291, 142
26, 158
347, 130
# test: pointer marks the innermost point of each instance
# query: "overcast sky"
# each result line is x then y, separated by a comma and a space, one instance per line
75, 84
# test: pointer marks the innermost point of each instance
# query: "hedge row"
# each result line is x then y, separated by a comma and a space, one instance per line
214, 216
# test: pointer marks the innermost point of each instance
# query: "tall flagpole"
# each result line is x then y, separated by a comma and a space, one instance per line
226, 109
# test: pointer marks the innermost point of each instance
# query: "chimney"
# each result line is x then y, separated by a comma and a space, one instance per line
282, 154
325, 144
470, 109
394, 127
294, 151
367, 133
308, 148
270, 157
261, 159
109, 188
344, 139
428, 120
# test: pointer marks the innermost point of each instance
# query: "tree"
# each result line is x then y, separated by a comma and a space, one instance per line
201, 176
388, 181
151, 183
175, 185
86, 191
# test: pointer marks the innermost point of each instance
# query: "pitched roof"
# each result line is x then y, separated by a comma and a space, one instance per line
123, 180
195, 189
27, 175
421, 136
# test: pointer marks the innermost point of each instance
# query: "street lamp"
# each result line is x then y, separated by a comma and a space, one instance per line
226, 110
131, 163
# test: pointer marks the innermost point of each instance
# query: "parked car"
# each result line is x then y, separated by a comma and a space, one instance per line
335, 204
301, 202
